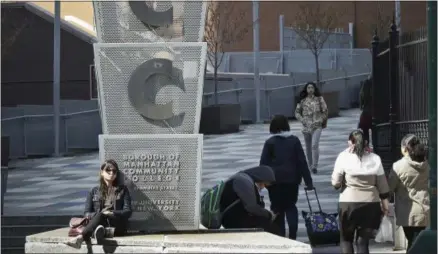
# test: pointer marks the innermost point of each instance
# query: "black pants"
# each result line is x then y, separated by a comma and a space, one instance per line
363, 236
101, 219
365, 123
283, 198
411, 234
291, 215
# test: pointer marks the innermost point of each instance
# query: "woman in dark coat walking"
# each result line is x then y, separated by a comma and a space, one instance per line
284, 153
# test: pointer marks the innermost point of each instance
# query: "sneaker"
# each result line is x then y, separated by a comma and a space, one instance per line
75, 242
314, 170
99, 234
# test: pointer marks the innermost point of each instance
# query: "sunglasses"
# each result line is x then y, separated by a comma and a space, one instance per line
111, 170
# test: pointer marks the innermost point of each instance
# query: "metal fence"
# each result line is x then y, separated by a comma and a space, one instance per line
335, 40
278, 93
350, 61
32, 135
400, 74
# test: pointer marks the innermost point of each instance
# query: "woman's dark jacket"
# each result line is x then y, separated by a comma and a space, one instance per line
284, 154
241, 186
122, 210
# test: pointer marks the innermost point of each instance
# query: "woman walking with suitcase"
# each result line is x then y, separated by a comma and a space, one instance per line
365, 197
284, 154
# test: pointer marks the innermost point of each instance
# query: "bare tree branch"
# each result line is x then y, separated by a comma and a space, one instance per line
381, 23
11, 30
313, 24
225, 25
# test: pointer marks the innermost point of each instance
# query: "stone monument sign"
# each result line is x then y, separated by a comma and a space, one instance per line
162, 172
150, 62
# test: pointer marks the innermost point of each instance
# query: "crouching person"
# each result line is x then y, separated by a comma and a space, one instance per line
249, 212
107, 206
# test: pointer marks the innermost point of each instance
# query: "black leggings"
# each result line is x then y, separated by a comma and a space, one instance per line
411, 234
363, 236
105, 221
98, 219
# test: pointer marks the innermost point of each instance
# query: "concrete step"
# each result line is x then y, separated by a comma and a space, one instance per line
12, 250
13, 241
25, 230
14, 229
37, 220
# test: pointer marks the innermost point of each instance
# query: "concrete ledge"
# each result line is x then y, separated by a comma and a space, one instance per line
246, 242
35, 247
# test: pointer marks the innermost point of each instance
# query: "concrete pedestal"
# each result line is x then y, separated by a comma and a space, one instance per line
251, 242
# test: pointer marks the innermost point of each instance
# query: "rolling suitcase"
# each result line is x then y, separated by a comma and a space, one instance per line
322, 228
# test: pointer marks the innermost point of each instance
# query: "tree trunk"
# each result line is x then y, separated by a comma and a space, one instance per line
216, 99
317, 70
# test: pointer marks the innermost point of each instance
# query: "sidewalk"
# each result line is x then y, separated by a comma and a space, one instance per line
58, 186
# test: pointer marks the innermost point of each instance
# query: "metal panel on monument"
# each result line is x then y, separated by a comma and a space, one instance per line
149, 21
150, 88
163, 173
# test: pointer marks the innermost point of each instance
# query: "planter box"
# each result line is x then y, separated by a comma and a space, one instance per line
4, 168
4, 184
220, 119
5, 151
332, 101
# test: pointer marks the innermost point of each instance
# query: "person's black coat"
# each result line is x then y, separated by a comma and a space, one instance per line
285, 155
241, 186
122, 210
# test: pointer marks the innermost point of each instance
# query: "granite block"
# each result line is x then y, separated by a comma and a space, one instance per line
230, 250
39, 247
61, 236
243, 241
223, 242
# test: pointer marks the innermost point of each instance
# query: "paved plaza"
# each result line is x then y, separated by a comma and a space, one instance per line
59, 185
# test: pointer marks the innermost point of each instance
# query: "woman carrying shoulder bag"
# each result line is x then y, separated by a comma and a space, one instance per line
312, 112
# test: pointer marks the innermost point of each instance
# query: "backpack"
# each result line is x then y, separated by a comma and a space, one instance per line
211, 215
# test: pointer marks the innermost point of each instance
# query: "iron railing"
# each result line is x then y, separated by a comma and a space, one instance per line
400, 88
32, 135
282, 99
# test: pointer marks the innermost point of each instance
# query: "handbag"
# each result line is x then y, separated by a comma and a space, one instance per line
77, 226
324, 122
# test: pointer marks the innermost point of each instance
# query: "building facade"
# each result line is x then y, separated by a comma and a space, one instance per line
363, 14
27, 63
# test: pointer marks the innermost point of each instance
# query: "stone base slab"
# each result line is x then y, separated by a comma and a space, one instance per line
246, 242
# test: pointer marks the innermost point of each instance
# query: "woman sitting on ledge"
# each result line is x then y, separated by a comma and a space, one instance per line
107, 205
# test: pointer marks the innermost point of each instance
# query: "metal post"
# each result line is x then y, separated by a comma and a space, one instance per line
374, 90
426, 240
256, 31
56, 73
281, 39
393, 89
398, 15
431, 72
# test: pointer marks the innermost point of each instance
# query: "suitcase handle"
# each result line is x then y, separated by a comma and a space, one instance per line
317, 199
